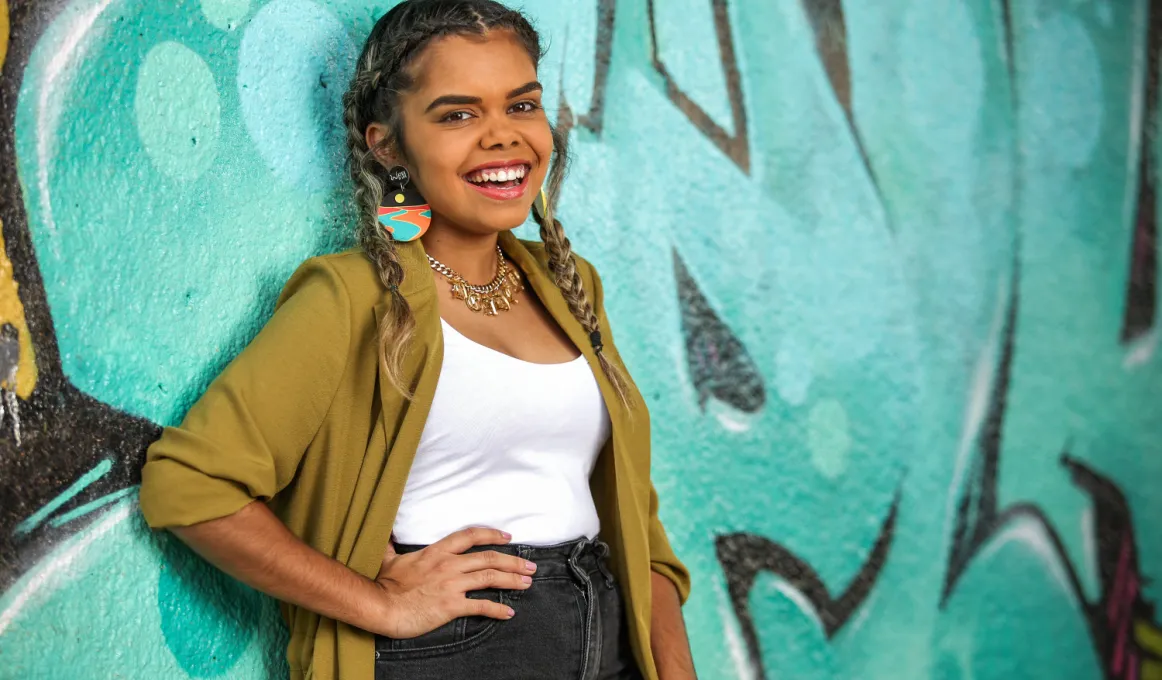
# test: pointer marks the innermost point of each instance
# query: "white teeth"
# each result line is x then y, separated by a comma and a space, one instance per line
503, 175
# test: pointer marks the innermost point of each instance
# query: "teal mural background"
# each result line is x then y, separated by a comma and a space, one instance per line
884, 271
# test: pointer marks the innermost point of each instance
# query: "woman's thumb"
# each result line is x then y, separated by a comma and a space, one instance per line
389, 554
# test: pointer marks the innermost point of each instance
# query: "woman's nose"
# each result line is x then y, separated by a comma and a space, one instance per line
499, 135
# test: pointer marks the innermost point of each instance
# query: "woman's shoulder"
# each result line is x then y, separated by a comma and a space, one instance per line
350, 270
351, 264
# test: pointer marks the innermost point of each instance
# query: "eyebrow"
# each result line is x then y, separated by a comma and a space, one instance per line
465, 100
531, 86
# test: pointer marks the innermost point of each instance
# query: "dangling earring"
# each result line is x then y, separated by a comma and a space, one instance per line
404, 213
541, 205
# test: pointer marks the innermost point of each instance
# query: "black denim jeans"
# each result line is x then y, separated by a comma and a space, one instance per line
569, 623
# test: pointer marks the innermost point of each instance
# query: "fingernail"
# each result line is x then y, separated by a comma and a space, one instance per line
527, 579
530, 566
511, 613
507, 536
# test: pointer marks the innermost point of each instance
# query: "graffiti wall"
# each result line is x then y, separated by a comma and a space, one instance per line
886, 273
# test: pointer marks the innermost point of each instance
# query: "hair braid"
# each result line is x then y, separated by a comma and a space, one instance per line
564, 267
396, 329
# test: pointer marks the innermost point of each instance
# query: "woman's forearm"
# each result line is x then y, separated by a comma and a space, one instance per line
671, 648
255, 547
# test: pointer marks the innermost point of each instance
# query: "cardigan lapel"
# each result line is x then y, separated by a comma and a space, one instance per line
554, 301
402, 435
419, 289
628, 532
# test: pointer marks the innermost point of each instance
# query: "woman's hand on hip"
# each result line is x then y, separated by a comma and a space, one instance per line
425, 589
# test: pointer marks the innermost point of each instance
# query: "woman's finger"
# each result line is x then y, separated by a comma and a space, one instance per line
459, 541
491, 559
473, 607
491, 578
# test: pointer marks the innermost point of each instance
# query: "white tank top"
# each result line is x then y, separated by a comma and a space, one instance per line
508, 444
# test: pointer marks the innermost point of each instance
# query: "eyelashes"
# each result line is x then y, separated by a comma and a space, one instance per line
451, 117
524, 107
532, 106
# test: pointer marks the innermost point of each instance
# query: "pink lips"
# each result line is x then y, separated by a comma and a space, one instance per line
503, 193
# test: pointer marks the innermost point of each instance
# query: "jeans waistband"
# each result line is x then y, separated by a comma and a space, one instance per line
552, 560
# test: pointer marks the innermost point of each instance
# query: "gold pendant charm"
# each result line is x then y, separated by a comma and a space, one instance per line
492, 298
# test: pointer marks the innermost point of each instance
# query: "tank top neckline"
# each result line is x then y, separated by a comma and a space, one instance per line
469, 341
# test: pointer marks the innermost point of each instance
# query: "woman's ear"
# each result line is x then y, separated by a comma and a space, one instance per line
375, 136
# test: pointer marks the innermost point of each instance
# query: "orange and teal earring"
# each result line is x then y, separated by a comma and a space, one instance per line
404, 214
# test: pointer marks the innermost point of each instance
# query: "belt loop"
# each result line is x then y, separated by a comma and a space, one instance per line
578, 547
602, 549
575, 566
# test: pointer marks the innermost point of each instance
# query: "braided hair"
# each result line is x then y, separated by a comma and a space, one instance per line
381, 75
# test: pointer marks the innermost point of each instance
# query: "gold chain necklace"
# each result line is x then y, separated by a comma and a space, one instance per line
498, 295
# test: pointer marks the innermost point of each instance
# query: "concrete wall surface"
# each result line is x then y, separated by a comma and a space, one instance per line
886, 273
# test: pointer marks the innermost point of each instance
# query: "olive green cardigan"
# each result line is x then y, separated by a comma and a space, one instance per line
303, 420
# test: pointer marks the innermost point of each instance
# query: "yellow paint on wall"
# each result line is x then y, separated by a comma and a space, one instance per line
3, 30
12, 311
1148, 636
1151, 670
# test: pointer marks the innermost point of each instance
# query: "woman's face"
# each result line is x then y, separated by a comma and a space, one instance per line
476, 138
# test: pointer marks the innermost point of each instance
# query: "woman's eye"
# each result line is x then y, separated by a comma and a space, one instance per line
525, 107
455, 117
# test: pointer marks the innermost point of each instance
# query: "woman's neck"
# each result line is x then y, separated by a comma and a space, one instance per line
472, 256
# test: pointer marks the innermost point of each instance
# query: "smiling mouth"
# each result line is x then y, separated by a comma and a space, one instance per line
503, 183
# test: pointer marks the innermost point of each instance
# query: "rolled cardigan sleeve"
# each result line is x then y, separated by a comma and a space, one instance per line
244, 438
662, 557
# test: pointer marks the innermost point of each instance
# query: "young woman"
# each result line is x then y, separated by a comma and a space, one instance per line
438, 428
